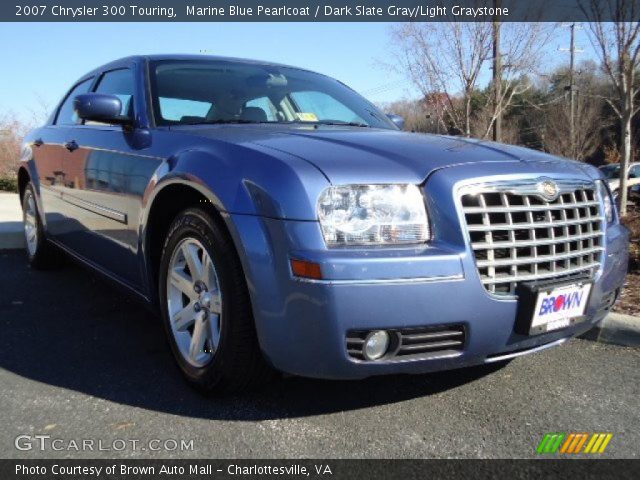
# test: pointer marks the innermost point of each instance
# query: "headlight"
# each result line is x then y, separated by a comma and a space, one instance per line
607, 202
373, 215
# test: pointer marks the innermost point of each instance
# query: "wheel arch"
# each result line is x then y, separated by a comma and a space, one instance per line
163, 206
23, 179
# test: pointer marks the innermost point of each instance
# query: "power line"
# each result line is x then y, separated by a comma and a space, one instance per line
385, 87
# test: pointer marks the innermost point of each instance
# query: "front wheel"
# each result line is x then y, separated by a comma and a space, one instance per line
206, 308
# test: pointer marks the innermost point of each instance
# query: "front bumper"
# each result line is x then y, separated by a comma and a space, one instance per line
302, 325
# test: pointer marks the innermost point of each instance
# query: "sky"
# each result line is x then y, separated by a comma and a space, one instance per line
41, 60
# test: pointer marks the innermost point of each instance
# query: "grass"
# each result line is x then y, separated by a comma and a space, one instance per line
8, 184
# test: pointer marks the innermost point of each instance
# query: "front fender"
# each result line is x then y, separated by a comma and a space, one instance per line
255, 185
247, 181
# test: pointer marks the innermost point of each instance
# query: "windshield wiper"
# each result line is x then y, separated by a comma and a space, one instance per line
222, 121
346, 124
226, 121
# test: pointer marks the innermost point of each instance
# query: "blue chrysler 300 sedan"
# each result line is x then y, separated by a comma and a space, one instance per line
277, 219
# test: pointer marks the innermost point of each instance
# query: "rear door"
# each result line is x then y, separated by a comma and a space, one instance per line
108, 172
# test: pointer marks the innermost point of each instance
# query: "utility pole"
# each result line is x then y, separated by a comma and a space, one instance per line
572, 92
572, 88
497, 76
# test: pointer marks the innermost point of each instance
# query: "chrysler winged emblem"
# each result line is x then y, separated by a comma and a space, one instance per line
548, 189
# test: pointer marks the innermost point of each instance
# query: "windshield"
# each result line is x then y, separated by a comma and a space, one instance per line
200, 92
611, 171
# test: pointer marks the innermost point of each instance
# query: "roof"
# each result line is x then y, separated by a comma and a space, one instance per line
125, 61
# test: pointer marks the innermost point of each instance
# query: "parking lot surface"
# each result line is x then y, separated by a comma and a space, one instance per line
80, 361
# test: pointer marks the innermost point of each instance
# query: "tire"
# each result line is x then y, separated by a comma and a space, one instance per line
207, 316
42, 255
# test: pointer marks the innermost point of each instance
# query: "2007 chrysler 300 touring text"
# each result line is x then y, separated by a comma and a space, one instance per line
277, 219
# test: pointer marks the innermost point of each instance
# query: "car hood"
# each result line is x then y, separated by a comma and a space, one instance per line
365, 155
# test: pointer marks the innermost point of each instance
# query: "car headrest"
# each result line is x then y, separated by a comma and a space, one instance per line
191, 119
253, 114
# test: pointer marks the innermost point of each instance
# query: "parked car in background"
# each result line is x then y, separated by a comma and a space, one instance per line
612, 174
278, 220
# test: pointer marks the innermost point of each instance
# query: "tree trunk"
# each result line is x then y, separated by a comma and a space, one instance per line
467, 115
625, 156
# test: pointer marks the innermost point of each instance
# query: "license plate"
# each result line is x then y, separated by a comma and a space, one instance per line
559, 307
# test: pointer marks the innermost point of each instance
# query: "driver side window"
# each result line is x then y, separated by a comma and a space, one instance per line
119, 83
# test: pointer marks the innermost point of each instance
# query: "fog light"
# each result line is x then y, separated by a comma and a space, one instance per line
376, 344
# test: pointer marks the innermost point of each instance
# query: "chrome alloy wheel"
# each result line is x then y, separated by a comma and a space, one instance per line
194, 302
30, 223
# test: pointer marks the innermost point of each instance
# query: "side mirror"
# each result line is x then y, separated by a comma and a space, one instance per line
397, 120
101, 108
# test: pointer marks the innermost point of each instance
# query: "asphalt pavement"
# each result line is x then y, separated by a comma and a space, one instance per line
79, 361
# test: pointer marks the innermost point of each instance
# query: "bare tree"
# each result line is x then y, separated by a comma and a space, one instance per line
587, 127
520, 49
449, 58
482, 122
591, 123
39, 114
11, 133
617, 43
417, 118
445, 58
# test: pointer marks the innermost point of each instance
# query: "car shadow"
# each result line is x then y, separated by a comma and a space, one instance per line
68, 328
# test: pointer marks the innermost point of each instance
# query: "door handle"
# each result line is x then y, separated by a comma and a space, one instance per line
71, 145
38, 142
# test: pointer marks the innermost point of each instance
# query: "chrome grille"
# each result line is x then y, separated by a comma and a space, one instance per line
518, 236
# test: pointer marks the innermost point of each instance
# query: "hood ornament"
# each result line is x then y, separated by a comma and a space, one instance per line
548, 189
